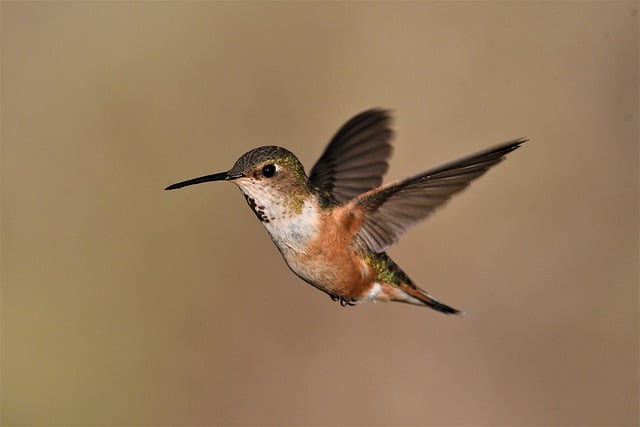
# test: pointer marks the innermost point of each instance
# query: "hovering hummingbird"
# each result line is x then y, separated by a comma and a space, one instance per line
332, 227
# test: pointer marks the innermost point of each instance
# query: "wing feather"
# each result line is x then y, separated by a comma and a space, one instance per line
356, 158
393, 208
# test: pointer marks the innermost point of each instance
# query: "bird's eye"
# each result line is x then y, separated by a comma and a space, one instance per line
268, 171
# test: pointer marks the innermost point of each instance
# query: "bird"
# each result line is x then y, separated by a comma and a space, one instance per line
332, 226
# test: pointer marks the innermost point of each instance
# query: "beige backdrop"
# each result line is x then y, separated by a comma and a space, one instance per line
125, 304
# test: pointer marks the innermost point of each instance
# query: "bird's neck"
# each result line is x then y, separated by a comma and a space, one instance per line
291, 218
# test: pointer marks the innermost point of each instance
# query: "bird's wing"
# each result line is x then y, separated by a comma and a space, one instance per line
356, 158
391, 209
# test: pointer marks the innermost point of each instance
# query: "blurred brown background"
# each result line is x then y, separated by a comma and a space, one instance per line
125, 304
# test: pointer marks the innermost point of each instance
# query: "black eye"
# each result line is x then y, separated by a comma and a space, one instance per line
268, 171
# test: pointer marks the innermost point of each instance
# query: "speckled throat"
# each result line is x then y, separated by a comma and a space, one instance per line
291, 218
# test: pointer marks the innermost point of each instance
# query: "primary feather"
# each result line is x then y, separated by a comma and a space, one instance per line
356, 158
393, 208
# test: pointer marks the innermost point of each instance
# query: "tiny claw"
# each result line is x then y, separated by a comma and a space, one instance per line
346, 302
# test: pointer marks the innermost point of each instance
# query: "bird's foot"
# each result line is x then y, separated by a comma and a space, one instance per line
343, 300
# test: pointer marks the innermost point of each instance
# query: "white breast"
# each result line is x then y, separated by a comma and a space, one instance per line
293, 232
292, 227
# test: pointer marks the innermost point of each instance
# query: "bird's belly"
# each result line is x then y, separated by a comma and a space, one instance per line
319, 247
340, 273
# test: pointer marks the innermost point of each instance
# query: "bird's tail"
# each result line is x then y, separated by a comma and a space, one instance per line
401, 288
417, 296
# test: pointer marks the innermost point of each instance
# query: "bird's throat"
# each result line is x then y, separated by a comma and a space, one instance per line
292, 219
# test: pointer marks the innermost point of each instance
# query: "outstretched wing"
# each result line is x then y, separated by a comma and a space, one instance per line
391, 209
356, 158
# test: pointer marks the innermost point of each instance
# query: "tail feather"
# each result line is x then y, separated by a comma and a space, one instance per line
417, 296
399, 287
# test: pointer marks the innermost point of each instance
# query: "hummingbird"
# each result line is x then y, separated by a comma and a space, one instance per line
332, 226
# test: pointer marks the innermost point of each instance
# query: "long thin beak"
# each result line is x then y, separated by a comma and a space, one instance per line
222, 176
